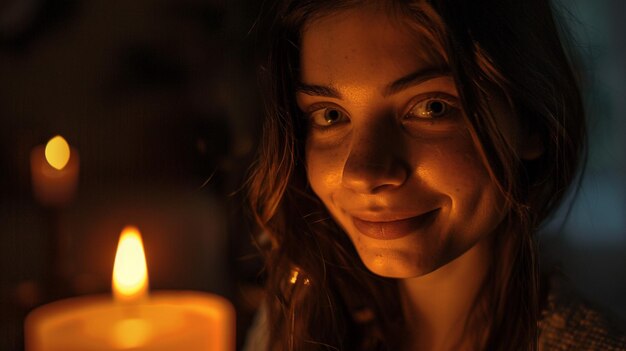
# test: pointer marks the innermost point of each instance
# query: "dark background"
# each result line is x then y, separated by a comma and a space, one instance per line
160, 99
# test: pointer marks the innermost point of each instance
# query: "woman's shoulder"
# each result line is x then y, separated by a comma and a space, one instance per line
570, 323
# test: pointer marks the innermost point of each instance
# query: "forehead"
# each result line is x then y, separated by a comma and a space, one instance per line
364, 45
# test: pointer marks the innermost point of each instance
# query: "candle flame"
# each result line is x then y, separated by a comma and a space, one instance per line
57, 152
130, 271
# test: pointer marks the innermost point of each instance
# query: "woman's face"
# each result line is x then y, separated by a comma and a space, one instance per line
388, 150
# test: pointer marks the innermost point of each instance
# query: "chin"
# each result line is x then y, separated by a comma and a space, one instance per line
399, 267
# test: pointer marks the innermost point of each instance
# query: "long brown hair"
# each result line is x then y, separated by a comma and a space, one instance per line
319, 293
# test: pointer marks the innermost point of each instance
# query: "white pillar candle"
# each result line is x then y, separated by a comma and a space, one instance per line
132, 320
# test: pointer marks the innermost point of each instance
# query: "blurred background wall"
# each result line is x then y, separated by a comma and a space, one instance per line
159, 98
588, 244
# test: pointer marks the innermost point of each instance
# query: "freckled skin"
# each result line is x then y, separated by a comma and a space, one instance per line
377, 164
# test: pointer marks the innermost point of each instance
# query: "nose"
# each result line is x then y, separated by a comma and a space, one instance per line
375, 161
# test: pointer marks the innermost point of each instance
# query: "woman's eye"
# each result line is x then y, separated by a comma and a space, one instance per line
326, 117
432, 108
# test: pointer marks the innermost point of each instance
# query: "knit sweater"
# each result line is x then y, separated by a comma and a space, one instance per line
569, 323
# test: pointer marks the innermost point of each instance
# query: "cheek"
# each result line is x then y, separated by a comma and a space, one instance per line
452, 166
477, 202
324, 168
456, 170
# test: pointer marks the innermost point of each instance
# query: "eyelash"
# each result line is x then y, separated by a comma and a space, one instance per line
323, 107
451, 105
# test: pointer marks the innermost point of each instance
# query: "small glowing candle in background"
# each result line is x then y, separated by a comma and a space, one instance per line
166, 320
54, 172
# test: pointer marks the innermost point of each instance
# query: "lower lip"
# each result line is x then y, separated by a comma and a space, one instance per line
394, 229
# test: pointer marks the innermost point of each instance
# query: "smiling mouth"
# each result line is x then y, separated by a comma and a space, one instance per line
394, 229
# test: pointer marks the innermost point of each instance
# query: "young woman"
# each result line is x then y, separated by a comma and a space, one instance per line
410, 151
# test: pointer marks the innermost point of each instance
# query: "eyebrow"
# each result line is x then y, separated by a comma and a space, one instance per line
318, 90
395, 87
415, 78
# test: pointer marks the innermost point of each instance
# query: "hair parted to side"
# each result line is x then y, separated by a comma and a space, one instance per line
319, 293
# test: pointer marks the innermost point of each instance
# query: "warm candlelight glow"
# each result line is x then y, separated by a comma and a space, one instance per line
130, 272
131, 333
57, 152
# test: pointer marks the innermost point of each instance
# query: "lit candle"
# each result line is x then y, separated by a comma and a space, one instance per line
132, 320
54, 172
